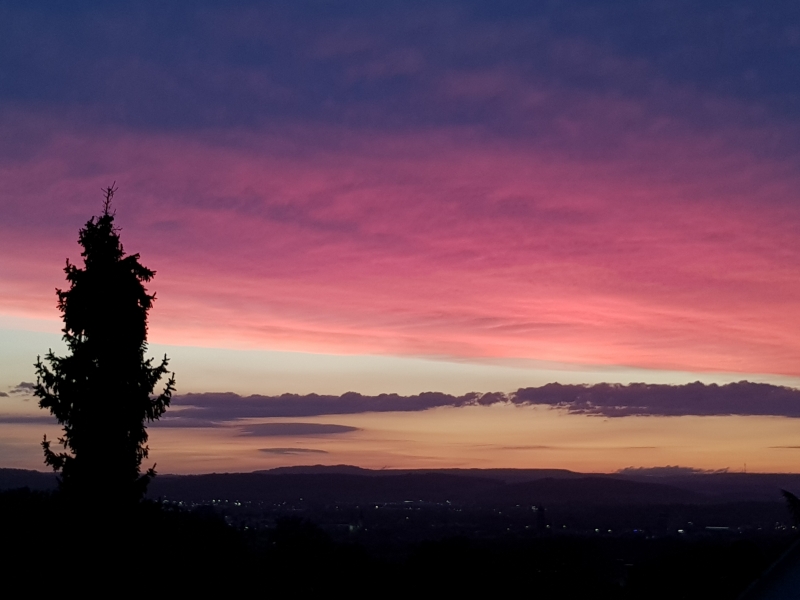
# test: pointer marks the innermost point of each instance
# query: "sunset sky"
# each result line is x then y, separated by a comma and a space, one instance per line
409, 197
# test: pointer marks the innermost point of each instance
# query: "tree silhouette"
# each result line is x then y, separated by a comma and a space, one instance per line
101, 391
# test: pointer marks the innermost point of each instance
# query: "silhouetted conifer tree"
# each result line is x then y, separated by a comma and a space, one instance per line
101, 391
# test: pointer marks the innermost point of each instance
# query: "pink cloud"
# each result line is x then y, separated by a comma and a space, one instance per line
677, 250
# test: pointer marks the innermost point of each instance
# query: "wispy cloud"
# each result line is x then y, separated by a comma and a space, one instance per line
21, 419
558, 181
294, 429
531, 447
289, 451
575, 448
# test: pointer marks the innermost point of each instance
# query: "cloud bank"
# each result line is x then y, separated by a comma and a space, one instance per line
606, 400
208, 409
609, 400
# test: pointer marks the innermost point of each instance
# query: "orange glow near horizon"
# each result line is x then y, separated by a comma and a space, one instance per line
473, 437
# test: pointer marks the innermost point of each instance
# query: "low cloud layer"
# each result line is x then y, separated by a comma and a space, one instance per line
612, 400
215, 408
294, 429
43, 419
604, 400
285, 451
24, 387
607, 400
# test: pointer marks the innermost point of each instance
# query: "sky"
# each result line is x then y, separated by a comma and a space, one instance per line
412, 197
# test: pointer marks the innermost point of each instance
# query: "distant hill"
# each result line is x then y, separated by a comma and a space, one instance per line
505, 475
323, 487
727, 487
324, 470
353, 486
20, 478
346, 483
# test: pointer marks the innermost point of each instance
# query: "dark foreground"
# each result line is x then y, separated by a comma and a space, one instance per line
163, 546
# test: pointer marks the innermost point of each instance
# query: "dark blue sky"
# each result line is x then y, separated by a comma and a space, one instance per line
367, 64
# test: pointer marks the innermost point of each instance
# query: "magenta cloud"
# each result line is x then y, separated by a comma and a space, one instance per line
442, 248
